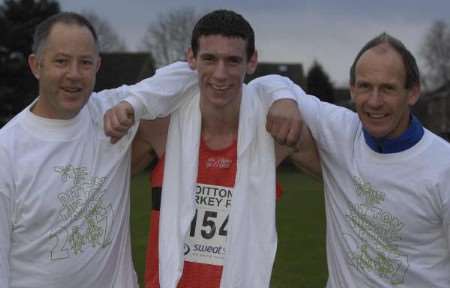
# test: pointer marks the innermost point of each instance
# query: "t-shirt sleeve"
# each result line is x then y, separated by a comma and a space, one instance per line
164, 92
331, 126
274, 87
271, 88
156, 96
6, 187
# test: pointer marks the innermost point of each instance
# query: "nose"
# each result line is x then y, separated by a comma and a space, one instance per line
73, 70
375, 98
220, 70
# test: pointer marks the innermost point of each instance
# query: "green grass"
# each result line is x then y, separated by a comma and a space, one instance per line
141, 205
301, 259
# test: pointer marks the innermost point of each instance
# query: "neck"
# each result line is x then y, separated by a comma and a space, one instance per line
219, 126
41, 109
410, 137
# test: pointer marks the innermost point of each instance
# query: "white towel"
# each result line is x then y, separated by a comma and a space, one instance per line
252, 239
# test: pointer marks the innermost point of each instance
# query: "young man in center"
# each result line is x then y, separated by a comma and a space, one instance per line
214, 217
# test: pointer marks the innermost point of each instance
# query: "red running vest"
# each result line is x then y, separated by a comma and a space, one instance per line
216, 167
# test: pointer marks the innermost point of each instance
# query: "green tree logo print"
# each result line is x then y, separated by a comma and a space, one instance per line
84, 220
373, 247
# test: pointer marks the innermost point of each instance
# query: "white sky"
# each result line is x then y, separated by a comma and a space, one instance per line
329, 31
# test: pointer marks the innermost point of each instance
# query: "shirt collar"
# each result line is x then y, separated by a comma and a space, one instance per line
406, 140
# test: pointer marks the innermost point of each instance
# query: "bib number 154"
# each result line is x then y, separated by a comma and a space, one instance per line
208, 224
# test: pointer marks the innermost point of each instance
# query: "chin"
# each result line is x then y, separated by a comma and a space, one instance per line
73, 109
377, 133
217, 101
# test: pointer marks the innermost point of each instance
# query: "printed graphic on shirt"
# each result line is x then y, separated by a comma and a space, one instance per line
372, 246
84, 219
206, 240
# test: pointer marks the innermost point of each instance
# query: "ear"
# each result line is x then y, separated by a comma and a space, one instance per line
99, 63
414, 94
191, 59
252, 63
352, 92
33, 63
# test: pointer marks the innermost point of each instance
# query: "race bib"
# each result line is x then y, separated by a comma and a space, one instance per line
205, 242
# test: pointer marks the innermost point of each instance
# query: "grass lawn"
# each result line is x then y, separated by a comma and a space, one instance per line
300, 261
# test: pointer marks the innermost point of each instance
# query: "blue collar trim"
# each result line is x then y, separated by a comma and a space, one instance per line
409, 138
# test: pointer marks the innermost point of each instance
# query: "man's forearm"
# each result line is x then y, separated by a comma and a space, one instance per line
164, 92
271, 88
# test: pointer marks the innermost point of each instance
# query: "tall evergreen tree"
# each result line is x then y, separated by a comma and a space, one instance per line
318, 83
18, 19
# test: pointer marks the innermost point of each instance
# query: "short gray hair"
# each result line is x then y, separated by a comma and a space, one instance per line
42, 31
411, 68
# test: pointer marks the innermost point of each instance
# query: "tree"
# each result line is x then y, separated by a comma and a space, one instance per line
18, 19
108, 39
169, 37
21, 17
318, 83
435, 51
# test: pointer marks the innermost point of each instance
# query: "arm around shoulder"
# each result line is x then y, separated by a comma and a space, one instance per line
271, 88
164, 92
156, 96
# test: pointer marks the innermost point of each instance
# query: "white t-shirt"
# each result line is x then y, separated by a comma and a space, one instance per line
66, 202
64, 190
387, 214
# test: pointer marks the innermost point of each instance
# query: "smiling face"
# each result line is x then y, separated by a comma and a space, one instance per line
66, 69
381, 99
221, 63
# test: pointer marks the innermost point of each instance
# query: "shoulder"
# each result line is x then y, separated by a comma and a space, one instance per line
437, 148
436, 142
329, 122
432, 155
9, 131
8, 140
251, 101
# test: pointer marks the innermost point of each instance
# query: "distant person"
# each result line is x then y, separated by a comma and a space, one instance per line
214, 190
386, 178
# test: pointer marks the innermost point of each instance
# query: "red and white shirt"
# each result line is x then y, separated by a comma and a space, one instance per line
205, 242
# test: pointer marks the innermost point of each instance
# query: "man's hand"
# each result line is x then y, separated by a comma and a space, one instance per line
118, 120
284, 122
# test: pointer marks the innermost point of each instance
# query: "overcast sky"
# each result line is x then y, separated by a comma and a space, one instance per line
329, 31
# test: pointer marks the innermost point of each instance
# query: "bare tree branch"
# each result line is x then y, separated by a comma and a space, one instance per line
169, 37
108, 39
436, 54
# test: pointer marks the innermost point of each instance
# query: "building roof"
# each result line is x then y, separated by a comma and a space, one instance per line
123, 68
293, 71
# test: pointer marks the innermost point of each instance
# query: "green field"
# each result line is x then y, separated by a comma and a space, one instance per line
300, 261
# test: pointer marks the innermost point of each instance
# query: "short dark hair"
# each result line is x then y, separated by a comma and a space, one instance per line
42, 31
411, 68
226, 23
